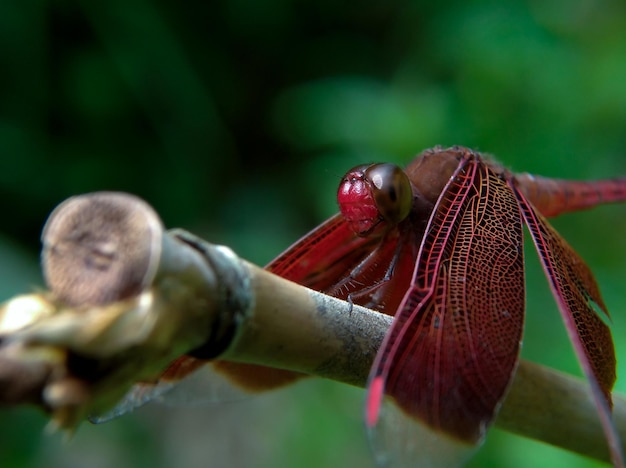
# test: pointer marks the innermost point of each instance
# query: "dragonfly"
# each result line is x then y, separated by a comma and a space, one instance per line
439, 246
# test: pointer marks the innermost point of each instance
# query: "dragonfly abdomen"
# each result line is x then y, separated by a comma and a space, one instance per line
552, 197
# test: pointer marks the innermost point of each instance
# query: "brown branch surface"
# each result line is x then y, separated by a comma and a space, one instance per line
77, 349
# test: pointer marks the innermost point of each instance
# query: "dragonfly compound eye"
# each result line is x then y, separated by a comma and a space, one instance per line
391, 190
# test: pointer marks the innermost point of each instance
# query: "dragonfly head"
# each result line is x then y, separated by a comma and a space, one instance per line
374, 198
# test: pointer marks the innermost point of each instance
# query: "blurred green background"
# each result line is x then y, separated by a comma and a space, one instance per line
236, 119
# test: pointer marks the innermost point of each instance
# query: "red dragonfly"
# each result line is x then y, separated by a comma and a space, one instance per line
439, 246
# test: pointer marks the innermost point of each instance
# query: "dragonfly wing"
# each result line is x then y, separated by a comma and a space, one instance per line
322, 256
187, 381
136, 397
452, 350
579, 301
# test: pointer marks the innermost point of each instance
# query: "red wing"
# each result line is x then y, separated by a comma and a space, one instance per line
453, 347
578, 298
322, 256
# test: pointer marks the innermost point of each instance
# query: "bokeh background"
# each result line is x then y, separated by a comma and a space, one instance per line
236, 119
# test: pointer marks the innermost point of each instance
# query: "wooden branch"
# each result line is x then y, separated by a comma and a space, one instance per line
77, 349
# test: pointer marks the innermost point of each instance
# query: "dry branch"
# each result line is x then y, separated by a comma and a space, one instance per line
79, 348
